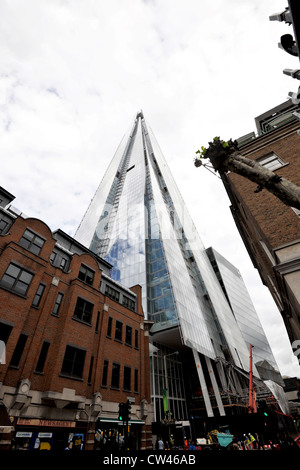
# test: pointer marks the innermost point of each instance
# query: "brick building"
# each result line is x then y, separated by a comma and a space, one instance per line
76, 343
271, 230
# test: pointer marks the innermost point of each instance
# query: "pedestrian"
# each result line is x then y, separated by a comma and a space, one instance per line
160, 444
192, 446
250, 441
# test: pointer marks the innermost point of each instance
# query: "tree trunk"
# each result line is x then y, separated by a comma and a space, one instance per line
225, 159
285, 190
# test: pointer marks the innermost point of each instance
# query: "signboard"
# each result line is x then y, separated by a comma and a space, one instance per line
46, 423
23, 434
6, 429
45, 435
165, 400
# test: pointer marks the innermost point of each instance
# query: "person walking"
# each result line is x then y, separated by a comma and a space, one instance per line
160, 444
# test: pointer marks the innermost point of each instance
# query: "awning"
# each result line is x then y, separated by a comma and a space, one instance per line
116, 421
5, 424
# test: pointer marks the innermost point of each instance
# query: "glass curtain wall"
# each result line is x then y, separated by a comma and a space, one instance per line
243, 310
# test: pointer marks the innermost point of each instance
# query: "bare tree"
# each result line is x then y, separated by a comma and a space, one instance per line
225, 157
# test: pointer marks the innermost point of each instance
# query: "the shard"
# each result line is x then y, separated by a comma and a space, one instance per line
138, 221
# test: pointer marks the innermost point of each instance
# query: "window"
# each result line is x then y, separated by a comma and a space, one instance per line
60, 260
128, 303
97, 323
16, 279
16, 357
5, 331
136, 380
127, 378
86, 275
297, 211
63, 262
83, 310
73, 362
57, 303
128, 335
91, 370
271, 161
3, 225
104, 373
38, 295
118, 331
115, 376
136, 339
112, 293
109, 326
32, 242
42, 357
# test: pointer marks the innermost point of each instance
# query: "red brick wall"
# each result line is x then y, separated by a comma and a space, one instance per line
41, 325
277, 222
264, 222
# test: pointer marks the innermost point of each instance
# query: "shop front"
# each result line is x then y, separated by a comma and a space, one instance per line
42, 434
113, 435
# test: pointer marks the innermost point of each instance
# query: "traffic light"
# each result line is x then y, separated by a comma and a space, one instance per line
290, 16
126, 411
291, 43
128, 404
121, 412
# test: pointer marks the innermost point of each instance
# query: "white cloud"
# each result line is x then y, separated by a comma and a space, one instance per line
73, 74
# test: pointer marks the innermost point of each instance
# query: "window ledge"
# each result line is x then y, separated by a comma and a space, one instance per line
13, 292
82, 321
84, 282
281, 166
72, 377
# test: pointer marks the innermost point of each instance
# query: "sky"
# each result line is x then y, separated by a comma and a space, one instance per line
74, 74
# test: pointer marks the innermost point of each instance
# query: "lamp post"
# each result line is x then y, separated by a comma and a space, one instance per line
166, 400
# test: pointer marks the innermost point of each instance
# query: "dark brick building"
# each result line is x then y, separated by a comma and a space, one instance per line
270, 229
76, 343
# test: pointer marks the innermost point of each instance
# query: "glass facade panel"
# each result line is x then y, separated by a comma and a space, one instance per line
242, 309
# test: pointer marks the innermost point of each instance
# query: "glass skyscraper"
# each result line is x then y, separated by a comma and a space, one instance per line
138, 221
